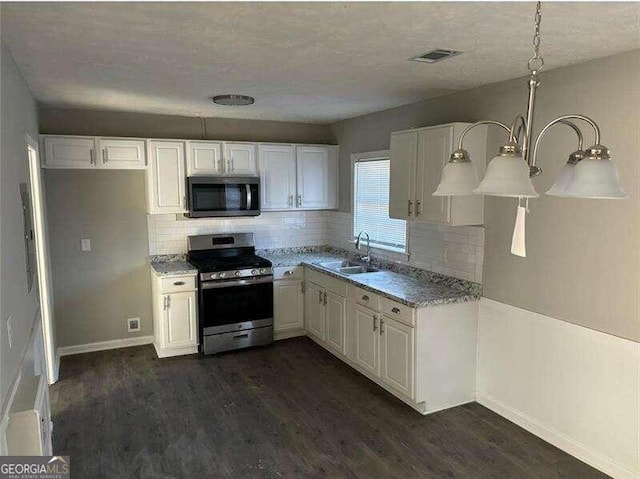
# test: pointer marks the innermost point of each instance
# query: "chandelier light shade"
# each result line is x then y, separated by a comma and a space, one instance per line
587, 174
507, 175
459, 176
565, 176
596, 177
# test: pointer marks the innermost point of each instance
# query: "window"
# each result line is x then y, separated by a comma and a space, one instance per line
371, 204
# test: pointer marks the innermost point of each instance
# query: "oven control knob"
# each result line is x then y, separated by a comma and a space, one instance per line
237, 273
213, 276
222, 275
254, 272
263, 271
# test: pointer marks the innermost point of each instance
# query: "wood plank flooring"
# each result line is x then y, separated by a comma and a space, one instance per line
290, 410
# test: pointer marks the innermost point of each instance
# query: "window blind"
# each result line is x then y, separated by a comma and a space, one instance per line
371, 205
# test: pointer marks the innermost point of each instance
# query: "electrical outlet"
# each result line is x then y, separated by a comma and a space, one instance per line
9, 331
133, 325
85, 244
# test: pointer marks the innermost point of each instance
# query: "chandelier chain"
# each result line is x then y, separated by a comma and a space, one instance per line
536, 61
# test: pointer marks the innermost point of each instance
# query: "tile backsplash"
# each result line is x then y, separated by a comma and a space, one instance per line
451, 250
168, 233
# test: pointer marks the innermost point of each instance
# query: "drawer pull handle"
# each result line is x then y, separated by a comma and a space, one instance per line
365, 298
178, 283
241, 336
288, 273
395, 310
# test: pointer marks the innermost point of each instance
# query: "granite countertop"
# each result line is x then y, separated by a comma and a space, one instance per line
173, 268
415, 292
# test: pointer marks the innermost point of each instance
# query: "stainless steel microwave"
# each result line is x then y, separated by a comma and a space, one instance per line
223, 196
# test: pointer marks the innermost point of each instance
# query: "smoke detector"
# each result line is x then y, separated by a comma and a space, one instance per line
233, 100
436, 55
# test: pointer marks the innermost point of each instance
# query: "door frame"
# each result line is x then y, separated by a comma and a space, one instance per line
45, 288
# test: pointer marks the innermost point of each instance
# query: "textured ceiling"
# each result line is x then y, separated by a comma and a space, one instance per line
311, 62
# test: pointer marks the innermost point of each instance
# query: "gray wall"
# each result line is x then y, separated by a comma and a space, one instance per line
583, 261
96, 291
19, 117
110, 123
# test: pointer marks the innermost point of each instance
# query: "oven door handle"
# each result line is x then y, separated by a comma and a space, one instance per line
248, 187
238, 282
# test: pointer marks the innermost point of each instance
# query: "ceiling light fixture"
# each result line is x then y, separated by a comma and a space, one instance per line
233, 100
587, 174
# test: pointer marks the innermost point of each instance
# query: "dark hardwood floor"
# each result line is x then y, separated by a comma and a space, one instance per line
291, 410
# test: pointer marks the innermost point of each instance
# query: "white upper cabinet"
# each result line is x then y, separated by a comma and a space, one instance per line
166, 177
404, 155
79, 152
122, 154
204, 158
417, 159
317, 177
240, 158
298, 177
277, 164
69, 152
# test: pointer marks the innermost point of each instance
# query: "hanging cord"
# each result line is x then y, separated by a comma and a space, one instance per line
536, 62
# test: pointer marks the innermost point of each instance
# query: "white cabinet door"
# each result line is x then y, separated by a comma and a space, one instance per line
204, 158
335, 314
404, 151
69, 152
180, 319
288, 305
316, 177
397, 356
314, 310
166, 178
240, 158
277, 164
122, 154
367, 342
434, 150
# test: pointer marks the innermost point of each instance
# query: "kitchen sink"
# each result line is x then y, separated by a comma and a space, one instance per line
348, 267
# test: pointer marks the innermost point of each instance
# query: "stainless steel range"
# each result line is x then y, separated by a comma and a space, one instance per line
235, 292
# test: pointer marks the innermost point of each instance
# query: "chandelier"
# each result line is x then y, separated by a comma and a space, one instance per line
588, 173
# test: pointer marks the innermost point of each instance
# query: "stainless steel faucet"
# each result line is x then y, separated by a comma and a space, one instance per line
367, 258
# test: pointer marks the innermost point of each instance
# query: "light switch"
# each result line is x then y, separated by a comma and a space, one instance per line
85, 244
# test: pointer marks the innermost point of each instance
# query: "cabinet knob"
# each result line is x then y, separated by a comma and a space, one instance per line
365, 298
395, 310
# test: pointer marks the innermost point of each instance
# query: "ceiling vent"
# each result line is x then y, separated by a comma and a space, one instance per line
436, 55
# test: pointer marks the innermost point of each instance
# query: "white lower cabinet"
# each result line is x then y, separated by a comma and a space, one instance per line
366, 350
314, 310
397, 355
424, 356
335, 310
175, 315
288, 307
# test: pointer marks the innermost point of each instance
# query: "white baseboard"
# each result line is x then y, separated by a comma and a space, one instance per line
104, 345
561, 441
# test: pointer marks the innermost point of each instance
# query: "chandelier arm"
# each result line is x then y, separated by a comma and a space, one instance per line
564, 120
514, 134
478, 123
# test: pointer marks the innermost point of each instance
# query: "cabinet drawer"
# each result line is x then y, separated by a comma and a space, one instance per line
330, 283
365, 298
176, 284
291, 272
398, 311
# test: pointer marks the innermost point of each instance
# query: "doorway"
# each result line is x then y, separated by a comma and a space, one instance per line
43, 267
